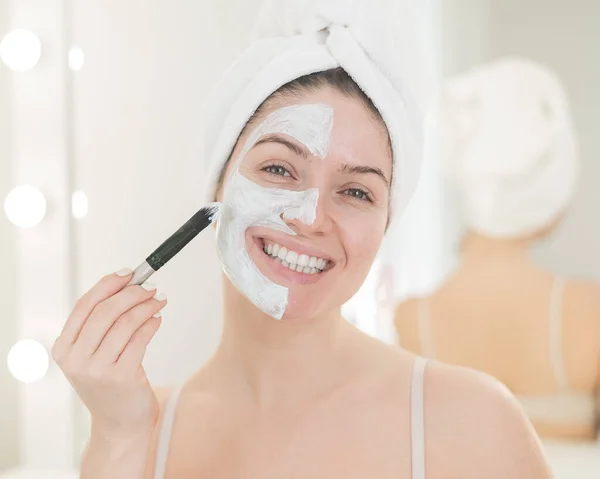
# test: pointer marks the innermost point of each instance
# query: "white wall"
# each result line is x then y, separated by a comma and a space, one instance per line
465, 33
565, 36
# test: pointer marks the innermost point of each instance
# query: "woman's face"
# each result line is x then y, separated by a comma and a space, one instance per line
305, 204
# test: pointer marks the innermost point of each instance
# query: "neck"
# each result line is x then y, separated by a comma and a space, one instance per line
477, 248
281, 362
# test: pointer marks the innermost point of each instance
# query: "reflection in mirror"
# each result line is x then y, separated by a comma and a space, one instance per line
523, 300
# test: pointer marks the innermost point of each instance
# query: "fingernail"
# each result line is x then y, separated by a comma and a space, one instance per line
124, 272
160, 296
158, 314
149, 286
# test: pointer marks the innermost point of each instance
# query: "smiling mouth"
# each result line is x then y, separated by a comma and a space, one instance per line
294, 261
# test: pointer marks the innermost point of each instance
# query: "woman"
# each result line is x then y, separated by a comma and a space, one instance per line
307, 175
512, 158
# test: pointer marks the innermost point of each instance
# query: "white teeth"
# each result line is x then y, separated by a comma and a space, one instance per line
294, 261
302, 260
292, 257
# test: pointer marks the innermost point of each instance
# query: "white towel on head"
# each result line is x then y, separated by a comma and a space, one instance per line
299, 37
509, 146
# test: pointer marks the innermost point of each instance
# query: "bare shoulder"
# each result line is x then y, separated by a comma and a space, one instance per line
586, 293
476, 428
405, 320
581, 309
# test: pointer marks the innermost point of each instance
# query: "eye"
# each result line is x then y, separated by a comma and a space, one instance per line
277, 170
358, 194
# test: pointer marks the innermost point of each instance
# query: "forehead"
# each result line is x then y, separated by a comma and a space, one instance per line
310, 124
356, 137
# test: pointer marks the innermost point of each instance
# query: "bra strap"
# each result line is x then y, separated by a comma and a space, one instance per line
555, 330
166, 431
417, 419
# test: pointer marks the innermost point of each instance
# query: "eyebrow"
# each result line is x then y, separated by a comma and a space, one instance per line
298, 150
358, 169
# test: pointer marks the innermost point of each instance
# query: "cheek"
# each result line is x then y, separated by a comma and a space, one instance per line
362, 239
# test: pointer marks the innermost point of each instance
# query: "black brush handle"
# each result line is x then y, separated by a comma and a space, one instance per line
177, 241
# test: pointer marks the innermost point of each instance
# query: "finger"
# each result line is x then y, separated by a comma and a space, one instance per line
132, 356
125, 327
102, 290
106, 313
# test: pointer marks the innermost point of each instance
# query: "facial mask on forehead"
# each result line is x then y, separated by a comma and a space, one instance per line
246, 204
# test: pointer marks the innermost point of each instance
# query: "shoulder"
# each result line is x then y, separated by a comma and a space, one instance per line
582, 307
405, 317
476, 428
407, 308
584, 292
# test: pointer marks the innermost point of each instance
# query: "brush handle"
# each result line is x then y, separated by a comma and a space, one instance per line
175, 243
141, 274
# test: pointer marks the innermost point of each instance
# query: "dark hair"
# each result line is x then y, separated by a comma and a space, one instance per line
337, 79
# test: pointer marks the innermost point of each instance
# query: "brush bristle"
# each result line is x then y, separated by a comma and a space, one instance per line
205, 216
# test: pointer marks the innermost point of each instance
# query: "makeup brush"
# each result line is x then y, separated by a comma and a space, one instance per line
175, 243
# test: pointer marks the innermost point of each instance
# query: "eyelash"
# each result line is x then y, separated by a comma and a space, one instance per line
275, 165
363, 195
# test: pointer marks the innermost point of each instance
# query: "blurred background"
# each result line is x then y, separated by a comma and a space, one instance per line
100, 113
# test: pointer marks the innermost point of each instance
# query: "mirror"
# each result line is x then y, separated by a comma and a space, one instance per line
100, 112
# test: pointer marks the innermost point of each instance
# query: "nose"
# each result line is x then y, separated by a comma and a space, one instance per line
322, 224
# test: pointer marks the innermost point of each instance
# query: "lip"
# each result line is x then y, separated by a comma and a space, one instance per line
286, 276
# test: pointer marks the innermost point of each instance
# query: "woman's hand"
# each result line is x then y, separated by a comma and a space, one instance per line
100, 350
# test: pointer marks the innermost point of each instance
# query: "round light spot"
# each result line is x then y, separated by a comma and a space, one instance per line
28, 361
79, 205
20, 50
76, 58
25, 206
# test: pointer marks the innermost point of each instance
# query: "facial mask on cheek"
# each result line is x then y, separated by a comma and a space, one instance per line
247, 204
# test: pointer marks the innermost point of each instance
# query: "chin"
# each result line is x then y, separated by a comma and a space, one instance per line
308, 305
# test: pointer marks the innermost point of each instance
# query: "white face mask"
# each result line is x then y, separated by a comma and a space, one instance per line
246, 204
